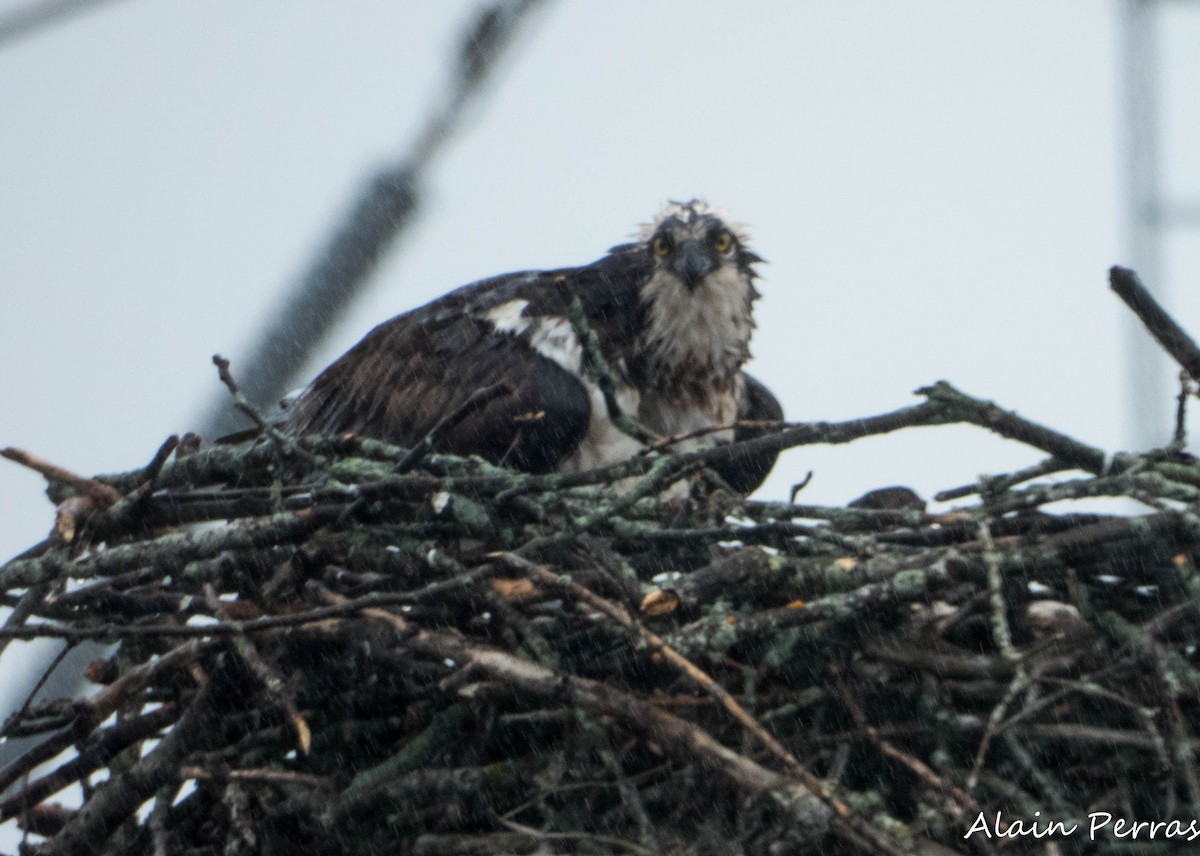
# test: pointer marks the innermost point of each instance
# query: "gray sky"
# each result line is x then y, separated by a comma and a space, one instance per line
935, 185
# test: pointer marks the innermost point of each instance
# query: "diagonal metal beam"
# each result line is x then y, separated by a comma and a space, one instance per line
342, 267
28, 19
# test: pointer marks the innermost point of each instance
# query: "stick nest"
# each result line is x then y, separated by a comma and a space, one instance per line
337, 646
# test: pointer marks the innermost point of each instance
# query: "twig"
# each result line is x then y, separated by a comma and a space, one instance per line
961, 407
947, 406
1187, 388
1000, 628
26, 606
1001, 483
15, 719
181, 547
158, 823
96, 751
150, 473
270, 777
572, 836
266, 674
284, 443
1177, 673
1173, 338
217, 629
104, 495
799, 486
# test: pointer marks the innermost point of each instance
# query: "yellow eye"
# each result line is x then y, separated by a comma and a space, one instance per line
662, 246
722, 242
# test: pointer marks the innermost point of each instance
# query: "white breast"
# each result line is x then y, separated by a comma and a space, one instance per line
604, 442
668, 416
703, 333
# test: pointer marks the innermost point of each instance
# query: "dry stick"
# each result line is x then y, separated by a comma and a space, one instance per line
1104, 738
960, 407
1019, 683
267, 776
132, 504
242, 404
1174, 340
997, 484
85, 593
180, 547
1186, 390
1000, 628
541, 573
150, 473
103, 494
541, 835
25, 607
157, 822
216, 629
99, 707
1089, 685
55, 662
267, 675
944, 405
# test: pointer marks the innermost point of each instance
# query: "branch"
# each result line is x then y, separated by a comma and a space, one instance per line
959, 407
103, 494
1174, 340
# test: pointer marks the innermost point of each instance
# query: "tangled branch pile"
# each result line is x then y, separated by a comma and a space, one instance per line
338, 646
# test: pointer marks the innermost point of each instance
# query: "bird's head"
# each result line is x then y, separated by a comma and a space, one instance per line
693, 243
697, 301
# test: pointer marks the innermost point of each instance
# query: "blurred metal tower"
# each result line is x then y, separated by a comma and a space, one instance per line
1151, 213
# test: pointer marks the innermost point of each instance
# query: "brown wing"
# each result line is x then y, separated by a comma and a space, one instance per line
409, 372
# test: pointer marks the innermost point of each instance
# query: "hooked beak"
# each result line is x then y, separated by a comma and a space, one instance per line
691, 263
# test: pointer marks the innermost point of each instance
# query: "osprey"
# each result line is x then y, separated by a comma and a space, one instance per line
671, 313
